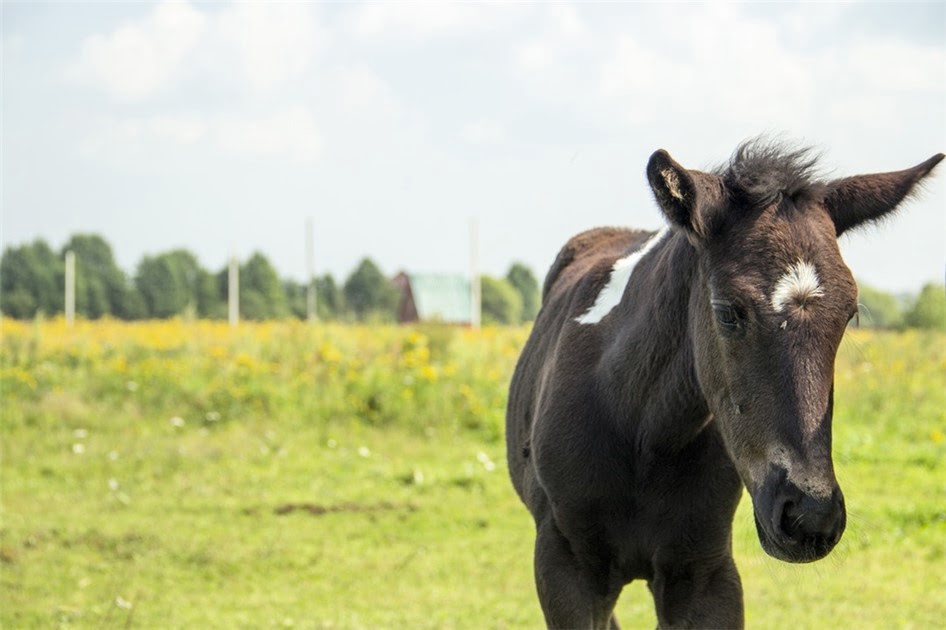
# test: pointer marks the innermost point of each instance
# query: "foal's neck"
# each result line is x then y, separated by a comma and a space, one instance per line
650, 361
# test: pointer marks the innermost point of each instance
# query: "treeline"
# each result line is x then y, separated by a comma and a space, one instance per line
884, 310
173, 284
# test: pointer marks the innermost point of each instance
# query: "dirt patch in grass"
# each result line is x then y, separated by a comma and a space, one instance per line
316, 509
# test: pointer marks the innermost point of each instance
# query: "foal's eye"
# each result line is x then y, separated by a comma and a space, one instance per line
727, 315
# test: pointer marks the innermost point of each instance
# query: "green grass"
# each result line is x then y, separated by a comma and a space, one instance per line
299, 519
264, 525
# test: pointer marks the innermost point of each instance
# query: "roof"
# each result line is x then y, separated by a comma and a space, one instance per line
440, 296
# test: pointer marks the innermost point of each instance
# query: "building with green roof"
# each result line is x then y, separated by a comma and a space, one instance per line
433, 297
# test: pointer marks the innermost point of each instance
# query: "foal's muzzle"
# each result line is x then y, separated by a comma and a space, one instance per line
796, 526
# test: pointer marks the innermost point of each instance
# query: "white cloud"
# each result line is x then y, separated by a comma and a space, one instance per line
420, 21
12, 46
180, 130
360, 88
896, 66
746, 70
291, 132
253, 44
563, 35
482, 133
812, 24
274, 42
410, 19
631, 80
719, 64
118, 139
142, 57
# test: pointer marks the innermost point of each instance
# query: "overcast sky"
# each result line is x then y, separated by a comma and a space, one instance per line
220, 127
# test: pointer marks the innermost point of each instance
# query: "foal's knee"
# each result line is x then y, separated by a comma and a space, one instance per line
699, 598
571, 594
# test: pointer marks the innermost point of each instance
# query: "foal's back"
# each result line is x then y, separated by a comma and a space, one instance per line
590, 253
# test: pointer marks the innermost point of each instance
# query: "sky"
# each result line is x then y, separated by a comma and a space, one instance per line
223, 127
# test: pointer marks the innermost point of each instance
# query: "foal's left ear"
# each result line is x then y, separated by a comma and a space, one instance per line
686, 197
855, 200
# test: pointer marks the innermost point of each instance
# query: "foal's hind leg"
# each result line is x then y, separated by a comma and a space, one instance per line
572, 594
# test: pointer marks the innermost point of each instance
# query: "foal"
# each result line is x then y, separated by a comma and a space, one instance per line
666, 371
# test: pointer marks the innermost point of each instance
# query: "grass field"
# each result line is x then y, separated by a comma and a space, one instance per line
183, 475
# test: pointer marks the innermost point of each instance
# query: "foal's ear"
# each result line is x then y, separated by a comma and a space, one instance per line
855, 200
684, 196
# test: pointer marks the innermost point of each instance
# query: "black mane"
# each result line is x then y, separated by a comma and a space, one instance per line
761, 172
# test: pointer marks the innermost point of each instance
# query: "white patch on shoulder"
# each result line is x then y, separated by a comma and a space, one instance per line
799, 284
610, 296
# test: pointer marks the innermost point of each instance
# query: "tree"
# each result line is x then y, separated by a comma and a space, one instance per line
329, 304
261, 293
211, 296
523, 281
31, 280
133, 305
929, 309
297, 296
101, 287
222, 280
168, 283
174, 283
878, 309
19, 303
368, 293
327, 298
501, 303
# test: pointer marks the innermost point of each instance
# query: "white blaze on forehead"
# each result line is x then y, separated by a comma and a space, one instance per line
610, 296
799, 284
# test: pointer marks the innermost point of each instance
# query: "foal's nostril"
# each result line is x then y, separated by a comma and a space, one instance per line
790, 520
835, 534
816, 524
798, 526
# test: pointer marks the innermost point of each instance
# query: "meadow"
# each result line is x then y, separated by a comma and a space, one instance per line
188, 475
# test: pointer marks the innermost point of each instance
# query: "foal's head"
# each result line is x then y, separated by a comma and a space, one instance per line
767, 316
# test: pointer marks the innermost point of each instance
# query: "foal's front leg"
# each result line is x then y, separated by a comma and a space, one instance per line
699, 595
573, 593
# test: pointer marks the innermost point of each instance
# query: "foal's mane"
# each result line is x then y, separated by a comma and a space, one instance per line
763, 171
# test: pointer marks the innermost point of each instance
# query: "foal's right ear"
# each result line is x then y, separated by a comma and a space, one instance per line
853, 201
684, 196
